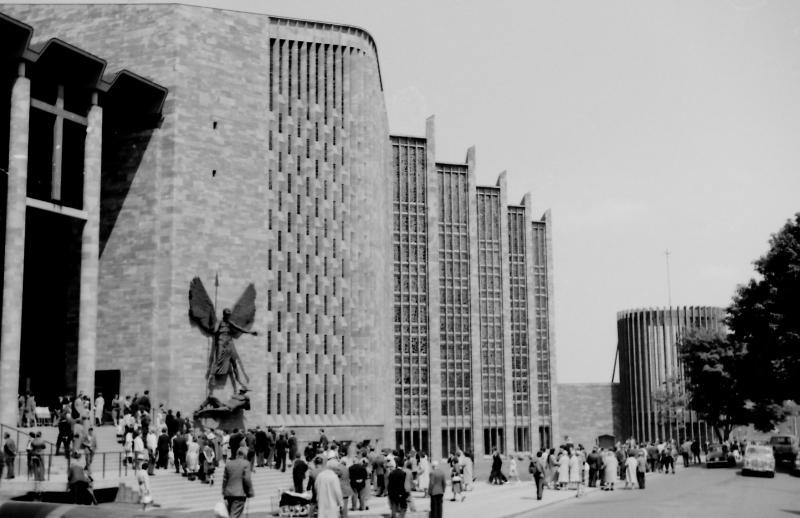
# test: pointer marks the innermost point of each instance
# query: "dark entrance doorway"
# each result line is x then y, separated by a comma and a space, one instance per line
51, 291
107, 382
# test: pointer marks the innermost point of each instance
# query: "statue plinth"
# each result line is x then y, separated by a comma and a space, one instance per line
213, 413
222, 421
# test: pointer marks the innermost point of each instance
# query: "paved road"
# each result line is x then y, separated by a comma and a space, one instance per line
693, 492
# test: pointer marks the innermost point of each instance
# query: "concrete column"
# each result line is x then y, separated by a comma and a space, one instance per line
530, 294
508, 379
474, 307
434, 332
90, 252
15, 247
551, 326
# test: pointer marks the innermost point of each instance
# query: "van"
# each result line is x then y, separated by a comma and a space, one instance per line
785, 447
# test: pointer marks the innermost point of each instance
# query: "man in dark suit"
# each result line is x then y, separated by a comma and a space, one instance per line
594, 466
299, 469
163, 449
172, 423
436, 489
398, 485
359, 483
237, 486
261, 446
179, 449
270, 452
292, 445
538, 469
280, 452
235, 440
250, 441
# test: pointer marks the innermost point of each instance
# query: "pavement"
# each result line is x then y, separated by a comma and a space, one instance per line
483, 501
694, 492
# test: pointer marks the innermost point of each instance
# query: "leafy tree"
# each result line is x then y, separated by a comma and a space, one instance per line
712, 363
670, 399
765, 317
748, 375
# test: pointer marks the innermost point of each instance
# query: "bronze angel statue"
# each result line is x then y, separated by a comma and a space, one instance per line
223, 361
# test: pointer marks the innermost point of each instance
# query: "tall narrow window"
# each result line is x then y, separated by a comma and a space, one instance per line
271, 74
269, 393
280, 75
289, 102
343, 386
325, 394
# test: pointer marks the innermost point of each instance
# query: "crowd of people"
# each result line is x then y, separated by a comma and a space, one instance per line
332, 476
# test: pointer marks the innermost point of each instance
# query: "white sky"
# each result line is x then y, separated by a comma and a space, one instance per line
644, 125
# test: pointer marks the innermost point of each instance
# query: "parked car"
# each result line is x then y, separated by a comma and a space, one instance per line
759, 459
784, 447
796, 467
719, 455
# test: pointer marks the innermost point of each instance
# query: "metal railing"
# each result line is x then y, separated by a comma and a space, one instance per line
107, 464
110, 463
19, 434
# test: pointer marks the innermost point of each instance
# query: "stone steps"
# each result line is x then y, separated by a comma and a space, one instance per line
173, 491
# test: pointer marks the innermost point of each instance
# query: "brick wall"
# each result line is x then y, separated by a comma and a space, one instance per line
588, 410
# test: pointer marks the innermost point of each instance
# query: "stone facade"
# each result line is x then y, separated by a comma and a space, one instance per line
589, 410
273, 164
258, 173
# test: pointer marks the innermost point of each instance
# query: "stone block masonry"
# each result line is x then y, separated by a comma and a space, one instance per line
263, 171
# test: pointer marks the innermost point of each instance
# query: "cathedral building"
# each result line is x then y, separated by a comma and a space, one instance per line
396, 300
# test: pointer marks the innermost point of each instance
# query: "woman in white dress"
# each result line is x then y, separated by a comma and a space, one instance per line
468, 480
610, 471
630, 471
563, 470
424, 473
575, 470
192, 454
